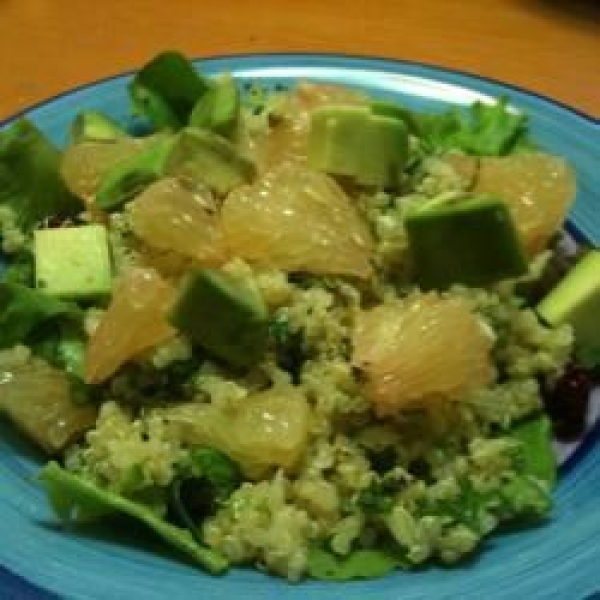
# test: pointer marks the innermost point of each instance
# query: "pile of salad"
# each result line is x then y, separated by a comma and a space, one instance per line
302, 329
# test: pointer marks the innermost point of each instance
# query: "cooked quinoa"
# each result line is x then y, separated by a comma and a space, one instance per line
274, 522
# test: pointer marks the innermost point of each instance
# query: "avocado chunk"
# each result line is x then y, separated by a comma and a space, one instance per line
354, 142
130, 177
227, 319
166, 90
218, 108
73, 262
472, 241
205, 157
94, 126
576, 300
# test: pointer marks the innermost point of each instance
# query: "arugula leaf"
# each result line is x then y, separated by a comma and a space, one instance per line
290, 347
167, 89
20, 269
30, 182
484, 129
379, 497
469, 507
217, 468
360, 564
526, 493
77, 499
536, 456
23, 310
523, 497
61, 344
207, 478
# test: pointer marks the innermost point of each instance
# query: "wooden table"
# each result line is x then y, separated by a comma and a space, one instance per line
550, 46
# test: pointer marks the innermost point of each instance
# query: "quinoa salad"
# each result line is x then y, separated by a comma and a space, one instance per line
300, 329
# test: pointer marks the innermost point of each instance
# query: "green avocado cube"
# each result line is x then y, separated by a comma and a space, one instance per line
384, 150
205, 157
130, 177
73, 262
353, 141
335, 139
576, 300
472, 242
226, 318
218, 109
95, 126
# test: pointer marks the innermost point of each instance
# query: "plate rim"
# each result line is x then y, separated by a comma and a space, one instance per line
587, 117
19, 584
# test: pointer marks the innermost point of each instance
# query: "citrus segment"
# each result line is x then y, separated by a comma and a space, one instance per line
420, 350
538, 188
296, 219
170, 216
135, 321
287, 139
84, 164
37, 398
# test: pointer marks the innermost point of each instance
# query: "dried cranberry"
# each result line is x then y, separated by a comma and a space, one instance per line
567, 403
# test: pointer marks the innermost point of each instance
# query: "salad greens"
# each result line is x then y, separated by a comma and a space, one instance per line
359, 564
536, 456
30, 183
483, 129
205, 480
23, 311
77, 499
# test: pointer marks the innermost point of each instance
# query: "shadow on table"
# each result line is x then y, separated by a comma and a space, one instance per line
585, 13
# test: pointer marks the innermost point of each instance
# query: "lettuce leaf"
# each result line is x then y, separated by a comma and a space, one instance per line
76, 499
360, 564
484, 129
30, 182
20, 269
23, 311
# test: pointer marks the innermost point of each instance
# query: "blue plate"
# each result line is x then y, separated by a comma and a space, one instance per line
558, 560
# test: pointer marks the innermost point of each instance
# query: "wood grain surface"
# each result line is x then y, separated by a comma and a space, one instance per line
549, 46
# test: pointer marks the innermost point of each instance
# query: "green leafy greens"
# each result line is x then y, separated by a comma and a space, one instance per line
359, 564
537, 457
23, 311
207, 478
483, 129
77, 499
30, 182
